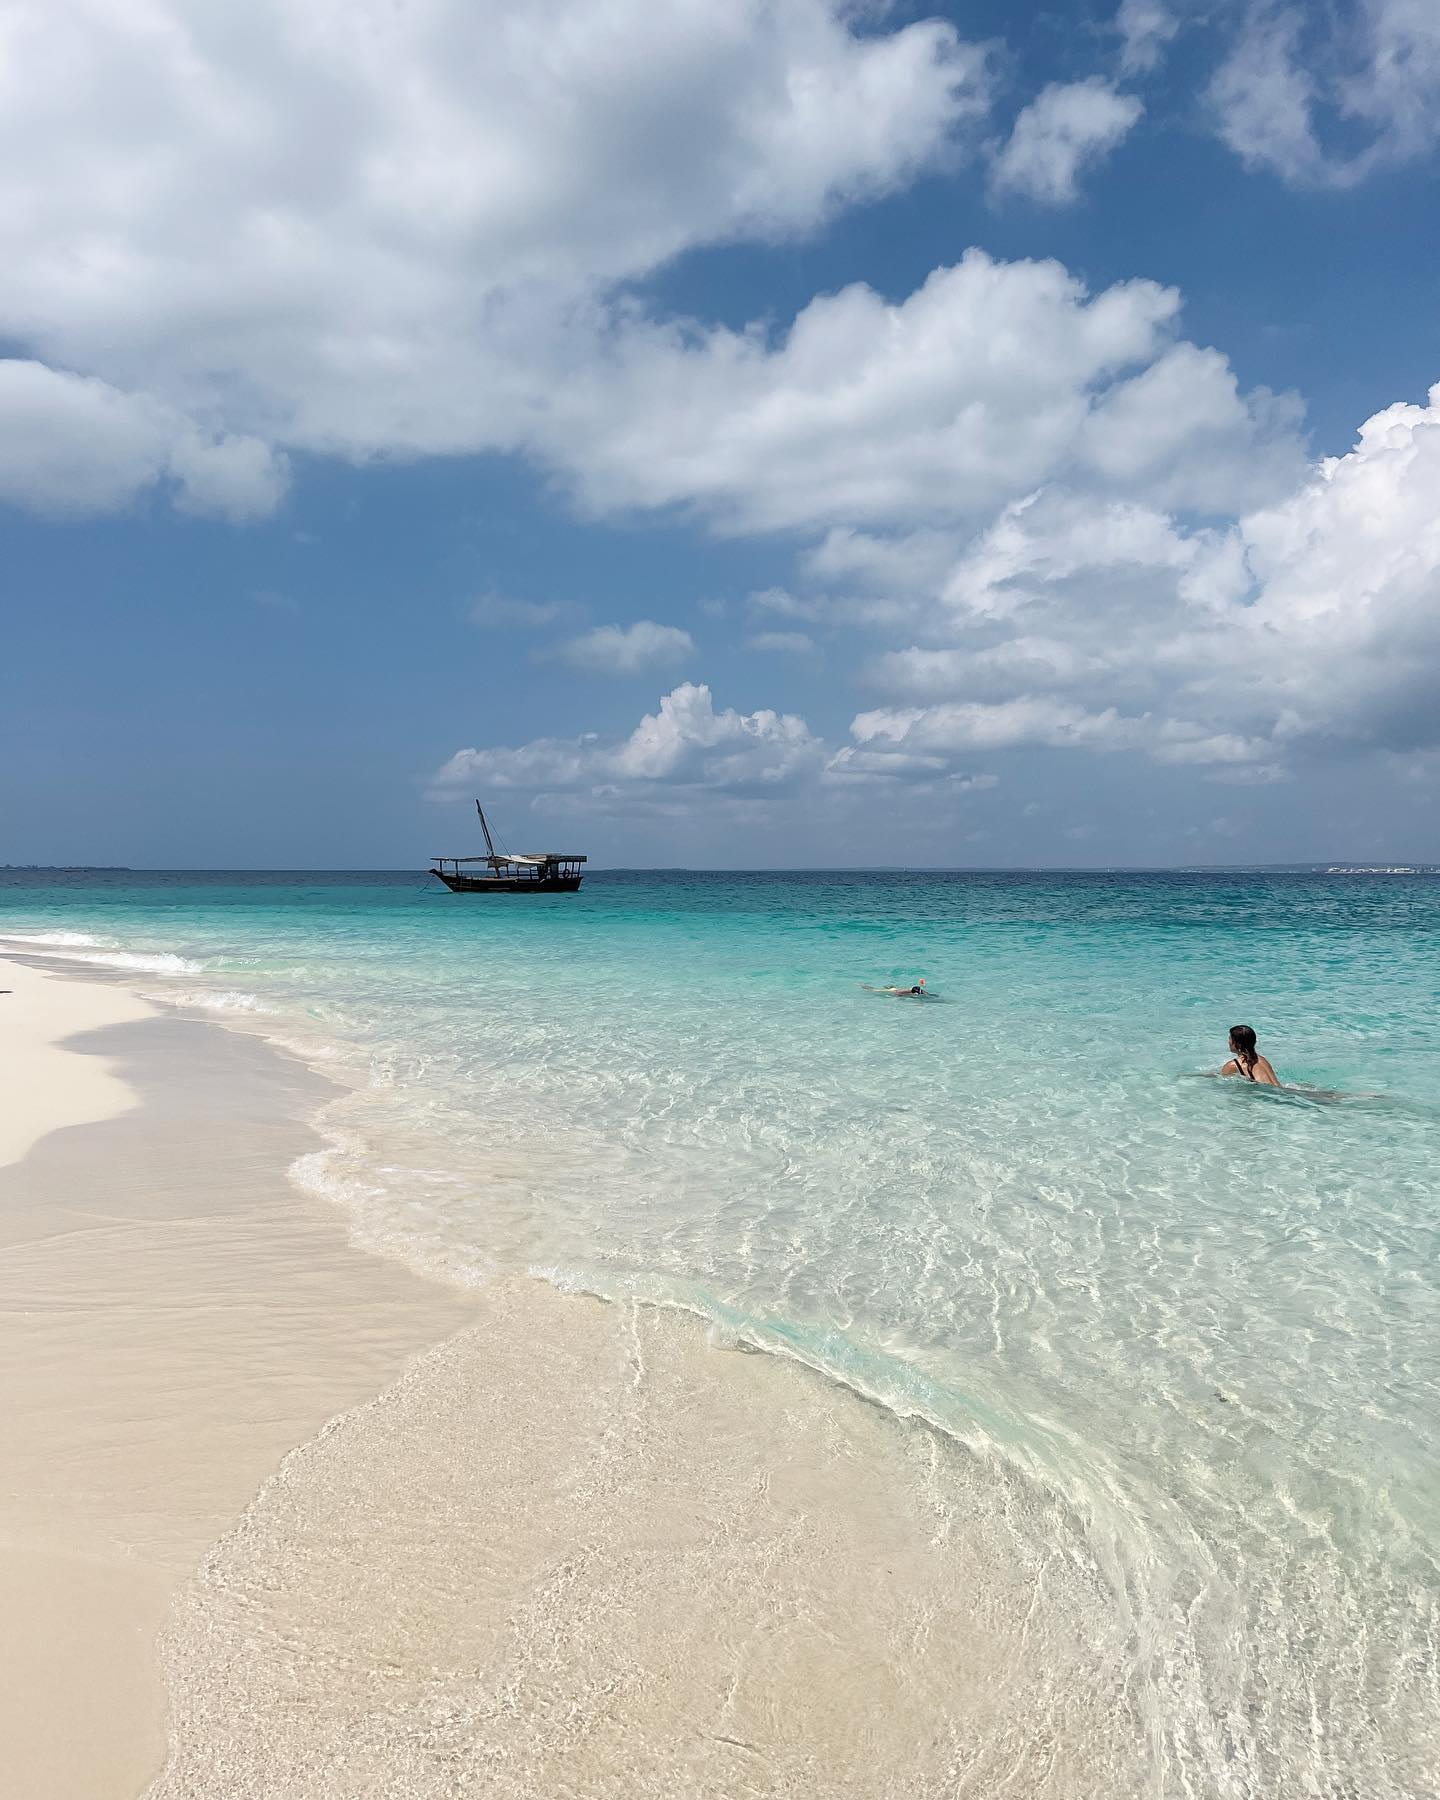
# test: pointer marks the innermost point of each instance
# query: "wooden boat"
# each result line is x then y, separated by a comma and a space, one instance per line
537, 872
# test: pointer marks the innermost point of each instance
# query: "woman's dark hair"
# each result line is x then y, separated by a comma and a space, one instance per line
1242, 1042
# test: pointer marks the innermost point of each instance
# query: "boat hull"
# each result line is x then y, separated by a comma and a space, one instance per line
509, 884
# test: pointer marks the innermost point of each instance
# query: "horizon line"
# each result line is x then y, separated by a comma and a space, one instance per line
1308, 865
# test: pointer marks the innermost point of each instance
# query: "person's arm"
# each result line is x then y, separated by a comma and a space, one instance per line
1264, 1074
1231, 1068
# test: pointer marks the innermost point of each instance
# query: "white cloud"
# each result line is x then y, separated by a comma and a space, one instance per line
832, 609
688, 749
1221, 747
1343, 636
1146, 28
1264, 98
627, 649
235, 478
1069, 127
785, 643
905, 564
1251, 775
1020, 664
1173, 432
988, 380
1003, 725
785, 605
686, 742
1372, 65
373, 230
1051, 535
1309, 623
851, 765
71, 445
1224, 654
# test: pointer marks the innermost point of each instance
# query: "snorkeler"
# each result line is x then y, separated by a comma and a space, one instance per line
901, 993
1246, 1060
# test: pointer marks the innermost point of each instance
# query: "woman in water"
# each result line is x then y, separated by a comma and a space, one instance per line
1246, 1060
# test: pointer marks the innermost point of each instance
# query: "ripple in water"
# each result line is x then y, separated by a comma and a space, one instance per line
1197, 1327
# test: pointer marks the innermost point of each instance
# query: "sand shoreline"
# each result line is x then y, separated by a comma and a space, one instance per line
542, 1543
174, 1318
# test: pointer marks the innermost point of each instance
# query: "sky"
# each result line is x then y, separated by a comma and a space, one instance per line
720, 433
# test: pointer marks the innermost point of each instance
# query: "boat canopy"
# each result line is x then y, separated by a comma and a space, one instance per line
536, 859
497, 859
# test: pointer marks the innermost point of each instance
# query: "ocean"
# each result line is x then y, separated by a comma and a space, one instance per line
1195, 1318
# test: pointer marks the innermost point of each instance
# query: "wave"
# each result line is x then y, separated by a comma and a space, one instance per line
885, 1377
158, 962
229, 1000
74, 939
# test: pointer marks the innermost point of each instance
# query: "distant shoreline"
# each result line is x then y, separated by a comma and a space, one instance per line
1302, 868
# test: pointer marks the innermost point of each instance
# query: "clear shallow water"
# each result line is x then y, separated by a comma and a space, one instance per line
1202, 1315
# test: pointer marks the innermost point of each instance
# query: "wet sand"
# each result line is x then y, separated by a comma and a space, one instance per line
577, 1552
174, 1317
45, 1085
571, 1548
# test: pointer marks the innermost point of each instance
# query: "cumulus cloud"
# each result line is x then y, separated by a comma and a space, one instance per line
1326, 96
1223, 653
1310, 623
371, 232
687, 750
1042, 541
71, 445
1342, 638
686, 742
627, 649
374, 230
1068, 128
988, 380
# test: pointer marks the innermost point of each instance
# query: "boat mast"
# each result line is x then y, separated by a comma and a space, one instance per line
486, 829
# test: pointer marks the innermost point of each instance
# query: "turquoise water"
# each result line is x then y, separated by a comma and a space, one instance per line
1202, 1314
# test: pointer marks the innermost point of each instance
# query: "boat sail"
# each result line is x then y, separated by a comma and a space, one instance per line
534, 872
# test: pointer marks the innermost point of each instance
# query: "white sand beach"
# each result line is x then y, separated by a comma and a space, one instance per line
45, 1085
571, 1547
174, 1317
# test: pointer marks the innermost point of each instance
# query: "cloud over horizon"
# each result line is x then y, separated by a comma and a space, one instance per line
684, 304
1234, 651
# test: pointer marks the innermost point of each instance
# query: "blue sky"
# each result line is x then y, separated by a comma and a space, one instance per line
723, 434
